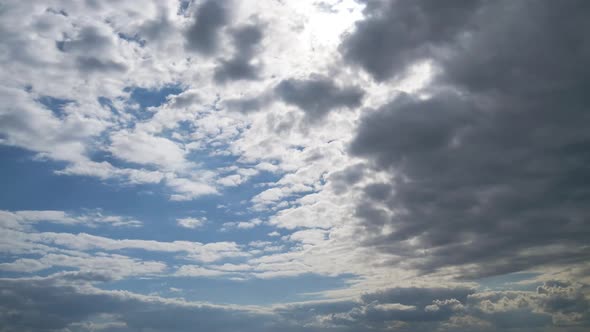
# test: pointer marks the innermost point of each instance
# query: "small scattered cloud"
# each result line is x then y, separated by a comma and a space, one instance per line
191, 223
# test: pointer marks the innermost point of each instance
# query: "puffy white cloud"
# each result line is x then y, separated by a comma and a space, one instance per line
241, 224
186, 189
142, 148
191, 222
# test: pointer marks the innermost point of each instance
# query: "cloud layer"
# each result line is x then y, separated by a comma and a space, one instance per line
334, 165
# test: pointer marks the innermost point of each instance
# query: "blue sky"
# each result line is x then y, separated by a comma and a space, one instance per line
304, 166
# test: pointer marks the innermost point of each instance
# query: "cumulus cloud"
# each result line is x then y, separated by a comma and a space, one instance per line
396, 34
479, 173
241, 224
425, 309
241, 66
191, 222
28, 124
203, 34
142, 148
317, 95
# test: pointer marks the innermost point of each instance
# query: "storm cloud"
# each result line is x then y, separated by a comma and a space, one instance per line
492, 168
397, 33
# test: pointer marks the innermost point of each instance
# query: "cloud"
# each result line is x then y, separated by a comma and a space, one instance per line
555, 303
388, 207
28, 124
485, 169
99, 42
89, 38
191, 222
159, 29
92, 64
249, 104
33, 304
61, 51
207, 252
114, 266
241, 224
418, 297
21, 219
318, 95
198, 271
342, 180
31, 242
187, 189
46, 304
241, 67
321, 214
203, 34
427, 309
394, 35
143, 148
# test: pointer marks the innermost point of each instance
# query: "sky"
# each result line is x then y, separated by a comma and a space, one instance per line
295, 166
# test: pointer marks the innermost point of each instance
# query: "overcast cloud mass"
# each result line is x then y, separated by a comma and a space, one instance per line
296, 166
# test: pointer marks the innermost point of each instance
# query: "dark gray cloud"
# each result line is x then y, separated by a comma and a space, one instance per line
93, 51
89, 39
536, 51
318, 95
246, 40
489, 175
342, 180
251, 104
93, 64
46, 304
204, 33
68, 301
398, 33
235, 69
156, 30
453, 309
554, 304
565, 298
247, 37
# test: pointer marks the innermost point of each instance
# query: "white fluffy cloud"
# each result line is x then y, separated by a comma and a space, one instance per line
191, 222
